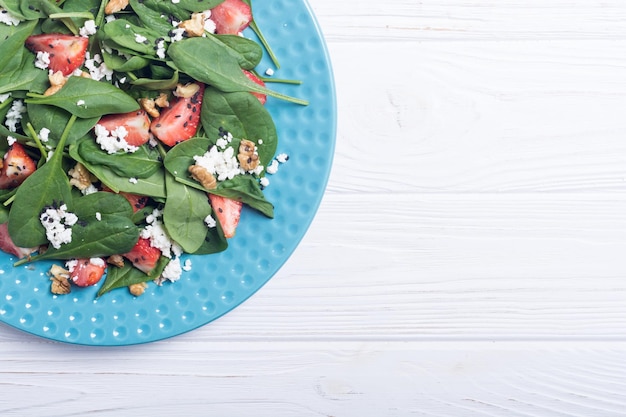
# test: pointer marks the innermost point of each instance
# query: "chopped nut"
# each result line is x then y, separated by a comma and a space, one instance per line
149, 106
137, 289
162, 101
246, 147
248, 162
60, 280
115, 6
81, 178
57, 81
194, 26
203, 176
116, 260
187, 90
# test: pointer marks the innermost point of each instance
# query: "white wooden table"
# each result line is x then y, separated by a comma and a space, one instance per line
468, 258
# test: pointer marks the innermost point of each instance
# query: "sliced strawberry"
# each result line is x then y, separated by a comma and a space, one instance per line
67, 52
7, 245
143, 256
262, 97
228, 212
137, 202
231, 17
85, 271
136, 123
16, 167
180, 120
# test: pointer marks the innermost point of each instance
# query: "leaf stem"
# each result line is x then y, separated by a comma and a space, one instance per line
35, 137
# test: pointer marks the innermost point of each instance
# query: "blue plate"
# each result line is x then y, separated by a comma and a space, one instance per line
216, 284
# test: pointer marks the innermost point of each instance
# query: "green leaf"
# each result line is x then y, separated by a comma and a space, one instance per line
128, 275
87, 98
55, 119
104, 228
184, 213
153, 186
219, 67
247, 52
123, 33
245, 188
140, 164
13, 38
243, 116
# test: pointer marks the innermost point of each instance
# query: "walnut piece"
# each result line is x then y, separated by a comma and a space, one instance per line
162, 101
115, 6
194, 26
203, 176
80, 177
60, 280
116, 260
187, 90
248, 159
137, 289
57, 81
149, 106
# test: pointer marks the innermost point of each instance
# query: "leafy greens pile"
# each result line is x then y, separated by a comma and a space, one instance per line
159, 172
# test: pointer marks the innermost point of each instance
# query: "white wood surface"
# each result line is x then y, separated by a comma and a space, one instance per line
468, 256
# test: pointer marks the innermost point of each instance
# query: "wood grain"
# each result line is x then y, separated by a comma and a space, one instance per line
466, 260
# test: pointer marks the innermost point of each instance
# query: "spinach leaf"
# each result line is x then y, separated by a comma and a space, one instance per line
123, 33
242, 115
128, 275
55, 119
153, 186
120, 63
156, 84
13, 38
104, 228
47, 186
247, 52
184, 213
20, 74
214, 241
87, 98
219, 68
181, 10
150, 17
245, 188
140, 164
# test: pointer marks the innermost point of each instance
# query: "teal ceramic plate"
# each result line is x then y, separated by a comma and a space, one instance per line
216, 284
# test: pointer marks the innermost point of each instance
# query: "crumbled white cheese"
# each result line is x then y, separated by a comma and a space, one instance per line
80, 103
282, 158
58, 223
110, 18
160, 51
88, 29
222, 164
89, 190
14, 115
175, 1
269, 72
7, 18
172, 270
132, 180
4, 97
264, 182
158, 236
209, 24
98, 216
113, 141
97, 68
210, 221
11, 140
97, 261
44, 134
272, 168
177, 34
43, 60
140, 38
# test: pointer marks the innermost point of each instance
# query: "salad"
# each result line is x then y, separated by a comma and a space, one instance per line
132, 132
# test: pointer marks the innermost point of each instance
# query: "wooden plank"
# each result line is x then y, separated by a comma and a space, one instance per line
313, 379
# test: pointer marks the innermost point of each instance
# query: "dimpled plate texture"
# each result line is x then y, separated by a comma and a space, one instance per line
217, 283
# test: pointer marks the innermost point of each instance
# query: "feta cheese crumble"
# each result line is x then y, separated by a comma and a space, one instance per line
11, 140
4, 97
97, 68
80, 103
113, 141
222, 164
43, 60
7, 18
58, 223
88, 29
140, 38
44, 134
210, 221
269, 72
14, 115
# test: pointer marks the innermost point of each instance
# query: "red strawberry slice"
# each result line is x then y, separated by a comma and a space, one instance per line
136, 123
137, 202
262, 97
143, 256
231, 17
67, 52
87, 271
16, 167
180, 120
7, 245
228, 212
